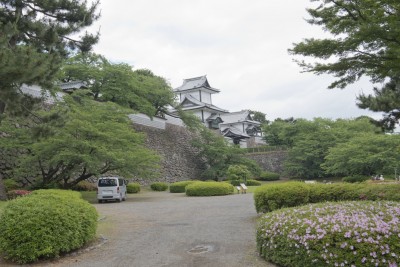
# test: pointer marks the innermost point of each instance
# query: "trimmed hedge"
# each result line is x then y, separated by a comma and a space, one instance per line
159, 186
355, 179
179, 187
251, 182
276, 196
209, 189
269, 176
133, 188
45, 224
331, 234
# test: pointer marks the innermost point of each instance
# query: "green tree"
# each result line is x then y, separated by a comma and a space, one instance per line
35, 37
367, 154
365, 42
140, 90
238, 173
311, 141
258, 116
79, 139
217, 154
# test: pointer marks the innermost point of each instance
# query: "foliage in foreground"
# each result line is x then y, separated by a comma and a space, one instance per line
179, 187
332, 234
45, 224
271, 197
209, 189
159, 186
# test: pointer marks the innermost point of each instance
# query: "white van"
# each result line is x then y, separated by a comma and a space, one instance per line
111, 188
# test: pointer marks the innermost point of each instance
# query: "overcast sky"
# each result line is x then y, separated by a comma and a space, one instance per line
240, 45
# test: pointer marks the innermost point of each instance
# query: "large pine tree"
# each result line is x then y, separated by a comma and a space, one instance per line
365, 42
35, 36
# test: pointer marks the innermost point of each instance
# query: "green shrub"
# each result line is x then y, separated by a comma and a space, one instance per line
133, 188
159, 186
331, 234
253, 183
268, 176
355, 179
209, 189
85, 186
179, 187
46, 224
275, 196
10, 184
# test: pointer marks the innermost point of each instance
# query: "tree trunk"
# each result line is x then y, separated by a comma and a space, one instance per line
3, 195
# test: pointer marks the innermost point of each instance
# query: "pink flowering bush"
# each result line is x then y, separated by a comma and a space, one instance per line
332, 234
17, 193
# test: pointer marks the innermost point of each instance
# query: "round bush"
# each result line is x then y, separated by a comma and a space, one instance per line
209, 189
159, 186
331, 234
179, 187
268, 176
46, 224
133, 188
355, 179
253, 183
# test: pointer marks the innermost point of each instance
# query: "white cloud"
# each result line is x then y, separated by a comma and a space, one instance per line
240, 45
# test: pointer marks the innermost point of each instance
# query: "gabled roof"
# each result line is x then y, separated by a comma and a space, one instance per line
192, 103
195, 83
69, 86
239, 116
233, 132
215, 117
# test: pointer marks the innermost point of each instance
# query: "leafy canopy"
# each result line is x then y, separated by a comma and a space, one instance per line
78, 139
367, 154
310, 141
140, 90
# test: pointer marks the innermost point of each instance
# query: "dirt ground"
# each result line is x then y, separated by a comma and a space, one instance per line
164, 229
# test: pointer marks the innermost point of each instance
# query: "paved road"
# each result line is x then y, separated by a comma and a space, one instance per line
164, 229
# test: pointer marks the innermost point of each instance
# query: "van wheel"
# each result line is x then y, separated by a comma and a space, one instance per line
124, 198
100, 201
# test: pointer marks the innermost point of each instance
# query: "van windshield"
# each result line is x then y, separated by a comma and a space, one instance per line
107, 182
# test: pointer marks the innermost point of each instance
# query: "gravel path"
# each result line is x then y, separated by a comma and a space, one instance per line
164, 229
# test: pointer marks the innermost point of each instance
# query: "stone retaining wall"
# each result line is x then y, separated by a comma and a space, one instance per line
179, 161
269, 161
